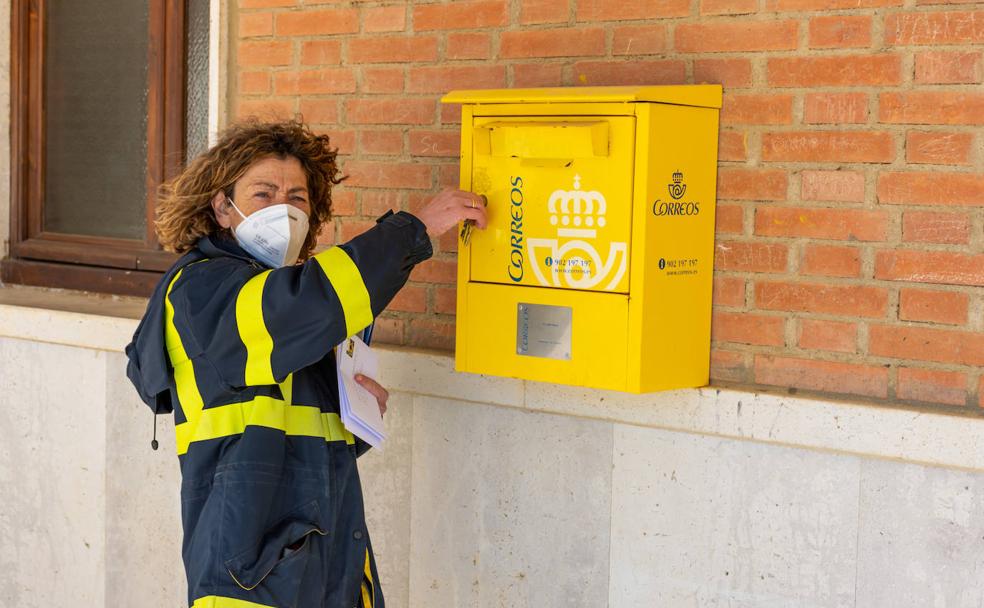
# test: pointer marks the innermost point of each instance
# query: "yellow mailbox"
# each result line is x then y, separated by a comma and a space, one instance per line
596, 267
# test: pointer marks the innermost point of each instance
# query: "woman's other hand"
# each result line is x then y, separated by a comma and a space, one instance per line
450, 207
376, 389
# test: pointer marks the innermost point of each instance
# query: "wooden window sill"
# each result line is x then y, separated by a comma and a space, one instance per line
79, 277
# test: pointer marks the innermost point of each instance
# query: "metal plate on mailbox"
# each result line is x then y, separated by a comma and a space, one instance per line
543, 331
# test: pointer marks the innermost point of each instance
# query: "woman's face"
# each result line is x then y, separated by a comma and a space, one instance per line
268, 181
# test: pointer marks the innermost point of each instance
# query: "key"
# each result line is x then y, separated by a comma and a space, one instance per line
469, 225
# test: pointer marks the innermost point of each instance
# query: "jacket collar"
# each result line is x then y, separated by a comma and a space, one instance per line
220, 244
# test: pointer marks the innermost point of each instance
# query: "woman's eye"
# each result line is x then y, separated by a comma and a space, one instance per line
298, 199
262, 195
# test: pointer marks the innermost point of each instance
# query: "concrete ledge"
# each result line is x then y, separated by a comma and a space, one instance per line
69, 328
933, 438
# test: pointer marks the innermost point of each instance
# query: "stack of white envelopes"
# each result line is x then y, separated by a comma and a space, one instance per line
359, 409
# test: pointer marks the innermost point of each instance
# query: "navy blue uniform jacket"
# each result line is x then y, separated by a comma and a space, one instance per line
271, 502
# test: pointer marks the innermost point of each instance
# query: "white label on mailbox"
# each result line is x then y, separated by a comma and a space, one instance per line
543, 331
572, 257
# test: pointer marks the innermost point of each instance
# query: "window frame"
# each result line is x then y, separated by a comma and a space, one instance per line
74, 261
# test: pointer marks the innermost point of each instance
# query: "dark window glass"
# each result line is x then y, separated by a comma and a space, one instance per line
95, 119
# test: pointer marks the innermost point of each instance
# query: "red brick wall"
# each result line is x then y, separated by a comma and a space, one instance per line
850, 247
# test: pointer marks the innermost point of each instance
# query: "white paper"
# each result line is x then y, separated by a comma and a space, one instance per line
359, 409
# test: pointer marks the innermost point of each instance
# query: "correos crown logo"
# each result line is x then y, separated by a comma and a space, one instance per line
578, 215
677, 189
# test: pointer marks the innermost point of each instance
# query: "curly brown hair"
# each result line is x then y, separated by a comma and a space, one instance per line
184, 208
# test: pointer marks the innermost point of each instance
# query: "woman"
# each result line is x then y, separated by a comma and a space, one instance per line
237, 341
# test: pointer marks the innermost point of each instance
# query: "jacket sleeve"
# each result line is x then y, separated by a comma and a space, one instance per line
254, 327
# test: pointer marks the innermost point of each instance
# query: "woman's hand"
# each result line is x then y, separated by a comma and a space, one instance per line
376, 389
450, 207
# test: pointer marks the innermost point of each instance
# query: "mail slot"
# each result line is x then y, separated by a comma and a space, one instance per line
596, 267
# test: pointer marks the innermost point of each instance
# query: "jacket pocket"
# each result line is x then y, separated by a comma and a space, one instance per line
284, 548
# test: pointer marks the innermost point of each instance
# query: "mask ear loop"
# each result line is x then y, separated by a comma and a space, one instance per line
230, 201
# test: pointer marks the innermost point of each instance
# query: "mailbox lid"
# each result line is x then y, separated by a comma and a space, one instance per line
560, 201
704, 95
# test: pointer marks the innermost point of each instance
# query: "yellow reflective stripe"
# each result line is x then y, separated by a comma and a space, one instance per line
172, 340
287, 388
335, 430
186, 385
230, 420
346, 279
368, 600
253, 331
214, 601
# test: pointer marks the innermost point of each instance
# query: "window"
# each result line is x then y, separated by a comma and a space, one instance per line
106, 98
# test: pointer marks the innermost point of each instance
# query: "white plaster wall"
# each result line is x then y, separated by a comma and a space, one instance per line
704, 521
52, 444
509, 508
921, 535
389, 474
143, 522
498, 493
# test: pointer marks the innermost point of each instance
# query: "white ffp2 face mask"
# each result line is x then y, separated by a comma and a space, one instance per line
273, 235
